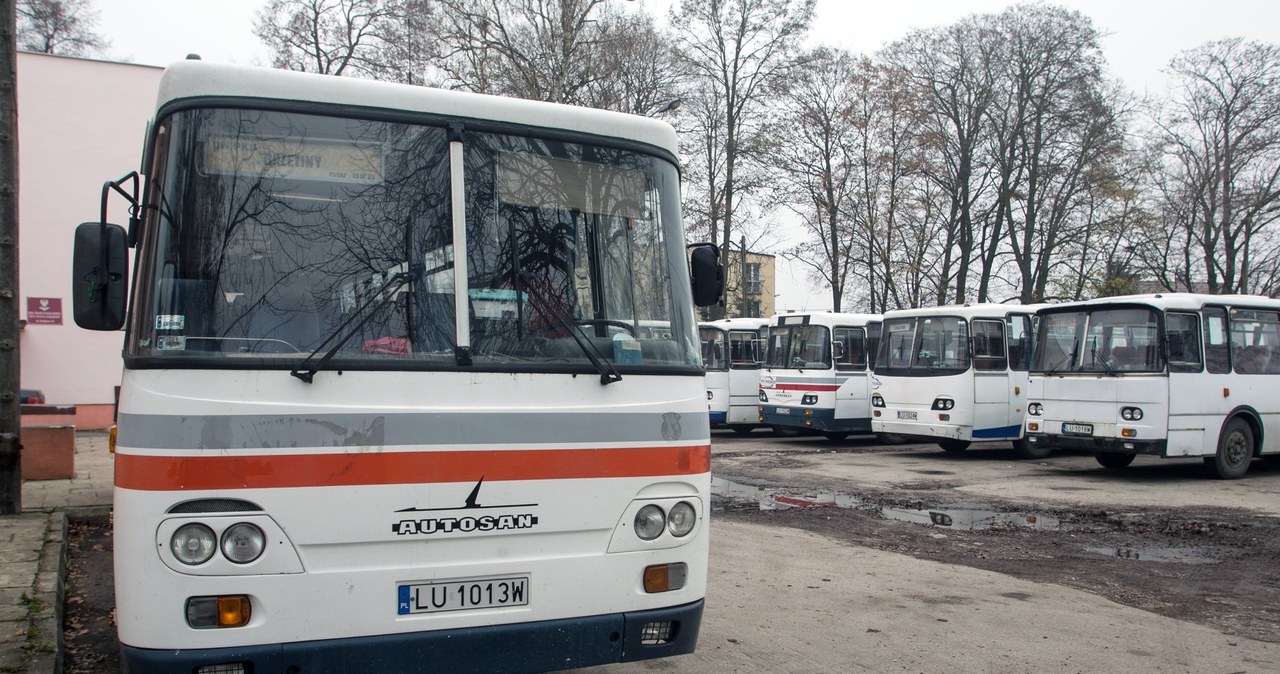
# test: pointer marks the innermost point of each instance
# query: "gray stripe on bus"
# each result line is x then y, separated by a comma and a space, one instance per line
153, 431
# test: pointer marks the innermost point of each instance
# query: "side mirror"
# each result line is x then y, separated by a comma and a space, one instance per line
706, 275
99, 273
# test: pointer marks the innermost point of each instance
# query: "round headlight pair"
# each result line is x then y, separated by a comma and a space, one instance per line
195, 543
1131, 413
1035, 409
650, 521
943, 404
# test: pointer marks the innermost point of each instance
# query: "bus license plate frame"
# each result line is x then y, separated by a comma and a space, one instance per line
462, 595
908, 415
1083, 430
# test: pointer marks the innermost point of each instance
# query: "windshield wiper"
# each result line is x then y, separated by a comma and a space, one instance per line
1053, 369
1106, 367
343, 333
608, 373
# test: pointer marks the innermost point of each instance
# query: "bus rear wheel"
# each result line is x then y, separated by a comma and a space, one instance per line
1026, 450
1114, 460
1235, 451
954, 446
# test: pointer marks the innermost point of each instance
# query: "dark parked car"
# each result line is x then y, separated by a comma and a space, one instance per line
30, 396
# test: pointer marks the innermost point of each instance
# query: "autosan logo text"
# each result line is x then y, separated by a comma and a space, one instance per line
448, 525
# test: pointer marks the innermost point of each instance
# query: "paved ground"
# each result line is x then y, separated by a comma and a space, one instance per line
33, 558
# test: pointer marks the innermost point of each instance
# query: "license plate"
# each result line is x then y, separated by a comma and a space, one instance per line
910, 416
463, 595
1077, 429
784, 410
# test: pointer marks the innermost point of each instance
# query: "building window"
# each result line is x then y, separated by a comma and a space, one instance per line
752, 279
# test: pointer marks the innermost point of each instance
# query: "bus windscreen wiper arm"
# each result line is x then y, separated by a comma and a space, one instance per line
608, 373
343, 333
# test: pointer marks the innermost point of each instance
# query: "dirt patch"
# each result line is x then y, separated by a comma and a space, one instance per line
89, 627
1214, 567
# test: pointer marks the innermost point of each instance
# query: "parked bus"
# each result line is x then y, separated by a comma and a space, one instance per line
731, 353
815, 375
1169, 375
386, 405
954, 375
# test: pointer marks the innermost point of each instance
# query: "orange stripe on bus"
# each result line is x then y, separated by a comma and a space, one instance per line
179, 473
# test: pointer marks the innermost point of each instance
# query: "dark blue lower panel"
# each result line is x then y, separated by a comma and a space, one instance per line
822, 420
532, 647
718, 417
1004, 433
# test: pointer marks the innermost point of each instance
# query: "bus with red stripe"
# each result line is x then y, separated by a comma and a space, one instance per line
732, 352
387, 402
815, 376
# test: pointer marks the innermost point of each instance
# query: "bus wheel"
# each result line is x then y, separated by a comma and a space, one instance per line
1026, 450
741, 429
1235, 451
1114, 460
836, 436
954, 446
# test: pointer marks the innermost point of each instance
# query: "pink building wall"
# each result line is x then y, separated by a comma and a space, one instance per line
80, 123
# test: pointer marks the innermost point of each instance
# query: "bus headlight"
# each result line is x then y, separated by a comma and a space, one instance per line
877, 400
242, 543
681, 519
809, 399
650, 522
1131, 413
763, 398
1035, 409
943, 404
193, 544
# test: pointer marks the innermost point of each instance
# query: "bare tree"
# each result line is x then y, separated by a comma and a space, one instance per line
740, 48
62, 27
364, 38
1221, 148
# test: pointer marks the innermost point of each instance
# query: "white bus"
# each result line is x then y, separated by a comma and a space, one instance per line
386, 405
815, 374
954, 375
1169, 375
731, 353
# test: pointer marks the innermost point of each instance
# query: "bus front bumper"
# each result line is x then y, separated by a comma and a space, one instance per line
529, 647
812, 418
1098, 444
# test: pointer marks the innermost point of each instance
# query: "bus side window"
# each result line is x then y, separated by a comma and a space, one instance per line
1216, 345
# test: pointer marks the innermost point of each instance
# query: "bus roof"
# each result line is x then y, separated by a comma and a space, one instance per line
1165, 301
194, 79
967, 311
823, 318
739, 323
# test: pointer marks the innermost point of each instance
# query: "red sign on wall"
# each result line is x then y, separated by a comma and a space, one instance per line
44, 311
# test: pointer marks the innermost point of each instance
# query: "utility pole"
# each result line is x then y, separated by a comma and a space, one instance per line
10, 366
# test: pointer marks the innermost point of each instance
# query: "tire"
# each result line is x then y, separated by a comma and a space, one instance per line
836, 436
954, 446
1026, 450
741, 429
1114, 459
1235, 451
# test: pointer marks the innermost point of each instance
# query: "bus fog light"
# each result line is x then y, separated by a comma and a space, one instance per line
657, 633
681, 519
224, 611
665, 577
650, 522
242, 543
193, 544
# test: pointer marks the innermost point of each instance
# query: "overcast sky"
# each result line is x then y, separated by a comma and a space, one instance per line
1141, 37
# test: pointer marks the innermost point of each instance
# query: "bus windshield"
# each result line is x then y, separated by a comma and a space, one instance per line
271, 235
713, 348
799, 347
1103, 341
929, 345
